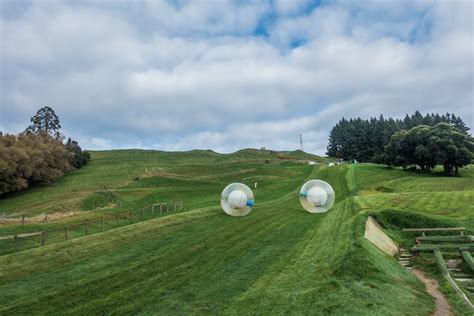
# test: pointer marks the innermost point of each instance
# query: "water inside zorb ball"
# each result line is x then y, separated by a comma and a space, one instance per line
317, 196
237, 199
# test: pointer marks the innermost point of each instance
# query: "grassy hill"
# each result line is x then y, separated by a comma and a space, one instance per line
279, 259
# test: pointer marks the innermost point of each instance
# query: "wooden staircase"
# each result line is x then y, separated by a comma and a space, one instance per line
404, 258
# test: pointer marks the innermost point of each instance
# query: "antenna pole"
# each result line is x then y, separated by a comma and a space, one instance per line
301, 142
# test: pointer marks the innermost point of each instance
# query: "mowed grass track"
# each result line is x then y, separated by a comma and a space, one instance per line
443, 198
279, 259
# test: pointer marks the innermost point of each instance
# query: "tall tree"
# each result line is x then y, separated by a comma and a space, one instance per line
450, 147
45, 121
393, 155
428, 146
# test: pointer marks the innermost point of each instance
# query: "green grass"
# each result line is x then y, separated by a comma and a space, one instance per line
277, 260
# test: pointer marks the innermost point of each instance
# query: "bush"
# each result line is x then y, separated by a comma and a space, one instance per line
78, 158
26, 159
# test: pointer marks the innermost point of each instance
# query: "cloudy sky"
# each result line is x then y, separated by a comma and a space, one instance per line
178, 75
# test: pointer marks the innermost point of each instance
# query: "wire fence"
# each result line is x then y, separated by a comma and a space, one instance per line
23, 218
18, 242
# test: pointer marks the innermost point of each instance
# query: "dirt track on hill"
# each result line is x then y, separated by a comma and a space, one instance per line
442, 306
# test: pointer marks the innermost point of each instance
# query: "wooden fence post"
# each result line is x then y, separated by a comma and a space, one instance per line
174, 206
42, 238
45, 218
162, 207
85, 228
130, 216
22, 219
153, 210
65, 233
15, 243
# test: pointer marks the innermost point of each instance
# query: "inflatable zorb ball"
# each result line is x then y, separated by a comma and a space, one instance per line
237, 199
317, 196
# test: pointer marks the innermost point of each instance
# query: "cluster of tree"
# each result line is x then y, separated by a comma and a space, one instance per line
38, 154
31, 158
365, 140
429, 146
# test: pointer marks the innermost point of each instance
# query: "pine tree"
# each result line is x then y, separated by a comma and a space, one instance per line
45, 121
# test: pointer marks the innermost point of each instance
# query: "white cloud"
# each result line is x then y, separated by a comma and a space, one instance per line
94, 143
287, 7
204, 17
196, 75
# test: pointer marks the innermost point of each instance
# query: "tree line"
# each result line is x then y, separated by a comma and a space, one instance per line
417, 140
37, 155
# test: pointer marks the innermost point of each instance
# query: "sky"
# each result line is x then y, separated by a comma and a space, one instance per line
226, 75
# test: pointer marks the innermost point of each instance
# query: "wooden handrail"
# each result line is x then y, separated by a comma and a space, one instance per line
433, 229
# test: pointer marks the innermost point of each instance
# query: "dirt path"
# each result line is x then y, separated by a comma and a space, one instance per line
442, 306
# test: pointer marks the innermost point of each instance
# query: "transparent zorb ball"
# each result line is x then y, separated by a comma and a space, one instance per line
317, 196
237, 199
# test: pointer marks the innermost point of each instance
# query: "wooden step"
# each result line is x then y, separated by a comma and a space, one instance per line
462, 275
465, 238
447, 247
464, 280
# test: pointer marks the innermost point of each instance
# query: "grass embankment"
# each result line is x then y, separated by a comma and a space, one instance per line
279, 259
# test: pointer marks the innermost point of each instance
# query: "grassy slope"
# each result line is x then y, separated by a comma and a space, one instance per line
277, 259
187, 178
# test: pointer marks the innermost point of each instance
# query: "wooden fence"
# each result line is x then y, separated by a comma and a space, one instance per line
23, 241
